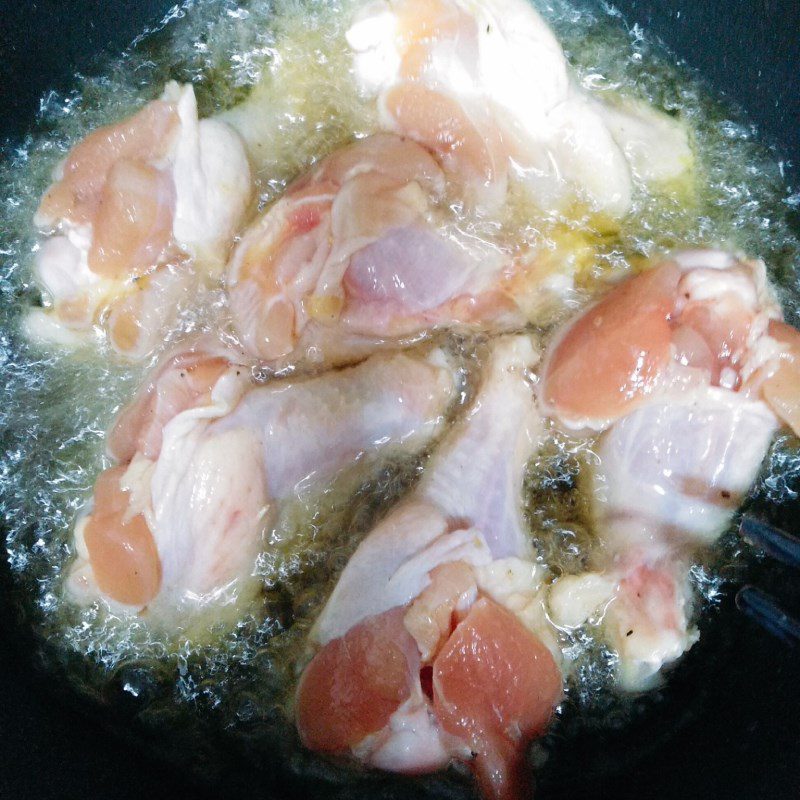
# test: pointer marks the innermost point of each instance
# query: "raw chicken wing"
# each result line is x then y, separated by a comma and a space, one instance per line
430, 647
486, 85
683, 368
205, 458
137, 213
354, 257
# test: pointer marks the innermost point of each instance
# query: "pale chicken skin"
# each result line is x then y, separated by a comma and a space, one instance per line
486, 86
433, 645
205, 458
687, 371
354, 257
138, 213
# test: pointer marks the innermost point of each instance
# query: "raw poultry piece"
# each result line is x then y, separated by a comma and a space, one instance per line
356, 256
204, 458
486, 85
138, 212
687, 371
433, 645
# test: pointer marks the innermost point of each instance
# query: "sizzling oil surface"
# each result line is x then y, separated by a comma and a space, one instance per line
56, 406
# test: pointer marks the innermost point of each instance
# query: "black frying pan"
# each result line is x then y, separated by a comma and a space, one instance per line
728, 725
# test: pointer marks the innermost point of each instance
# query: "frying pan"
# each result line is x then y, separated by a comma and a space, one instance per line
728, 723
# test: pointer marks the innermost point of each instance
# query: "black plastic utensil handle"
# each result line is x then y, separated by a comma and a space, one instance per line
764, 610
774, 542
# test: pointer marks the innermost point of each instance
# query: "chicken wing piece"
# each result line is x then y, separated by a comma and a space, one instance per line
685, 369
137, 211
355, 256
430, 647
205, 458
486, 85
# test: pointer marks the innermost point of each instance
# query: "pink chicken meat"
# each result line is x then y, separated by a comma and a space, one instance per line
486, 86
355, 256
205, 457
419, 660
687, 371
138, 212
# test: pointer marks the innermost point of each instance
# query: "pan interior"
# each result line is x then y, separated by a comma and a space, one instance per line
56, 406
